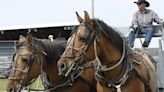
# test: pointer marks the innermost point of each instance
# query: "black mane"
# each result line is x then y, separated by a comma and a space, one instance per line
112, 34
53, 49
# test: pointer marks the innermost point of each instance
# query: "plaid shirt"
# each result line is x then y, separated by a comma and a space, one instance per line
145, 18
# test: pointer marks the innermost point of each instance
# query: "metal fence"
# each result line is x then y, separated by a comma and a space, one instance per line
7, 48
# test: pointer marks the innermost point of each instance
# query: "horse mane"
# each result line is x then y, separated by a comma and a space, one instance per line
53, 49
110, 32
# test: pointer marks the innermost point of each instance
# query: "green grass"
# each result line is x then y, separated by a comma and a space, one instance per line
37, 84
3, 84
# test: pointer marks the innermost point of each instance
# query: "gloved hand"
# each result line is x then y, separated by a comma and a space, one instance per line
133, 28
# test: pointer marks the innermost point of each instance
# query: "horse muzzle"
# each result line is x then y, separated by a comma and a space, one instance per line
66, 69
62, 68
11, 89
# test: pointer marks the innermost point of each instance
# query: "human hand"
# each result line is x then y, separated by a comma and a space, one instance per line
133, 28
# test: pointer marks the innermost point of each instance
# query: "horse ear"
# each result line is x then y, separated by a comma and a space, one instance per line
29, 40
88, 19
21, 39
79, 18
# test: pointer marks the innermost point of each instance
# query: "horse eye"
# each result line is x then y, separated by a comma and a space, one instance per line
82, 39
24, 59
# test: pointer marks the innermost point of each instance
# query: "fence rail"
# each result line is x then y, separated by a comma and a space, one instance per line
7, 48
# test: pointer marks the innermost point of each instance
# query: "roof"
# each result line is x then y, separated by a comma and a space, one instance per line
33, 26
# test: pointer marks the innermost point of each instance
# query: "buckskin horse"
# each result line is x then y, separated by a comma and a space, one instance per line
34, 57
117, 67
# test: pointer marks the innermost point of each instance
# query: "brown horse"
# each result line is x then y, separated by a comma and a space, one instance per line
35, 57
117, 67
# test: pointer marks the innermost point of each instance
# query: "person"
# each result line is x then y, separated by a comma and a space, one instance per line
143, 22
51, 37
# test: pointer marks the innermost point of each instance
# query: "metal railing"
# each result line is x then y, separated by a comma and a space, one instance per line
7, 48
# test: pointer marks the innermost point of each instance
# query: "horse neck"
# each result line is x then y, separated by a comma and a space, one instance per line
50, 68
55, 79
108, 54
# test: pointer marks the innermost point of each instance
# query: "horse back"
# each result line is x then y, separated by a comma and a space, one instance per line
146, 65
146, 58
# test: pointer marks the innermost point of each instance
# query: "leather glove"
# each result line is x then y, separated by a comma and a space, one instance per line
133, 28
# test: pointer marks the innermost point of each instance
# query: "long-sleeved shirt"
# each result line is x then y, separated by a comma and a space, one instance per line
145, 18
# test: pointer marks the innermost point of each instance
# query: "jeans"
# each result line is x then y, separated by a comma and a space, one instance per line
148, 31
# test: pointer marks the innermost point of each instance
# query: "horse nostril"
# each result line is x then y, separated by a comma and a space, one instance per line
62, 68
11, 89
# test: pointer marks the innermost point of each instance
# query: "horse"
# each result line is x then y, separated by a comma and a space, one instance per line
117, 67
34, 57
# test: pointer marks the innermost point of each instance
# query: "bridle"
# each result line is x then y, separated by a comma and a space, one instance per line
35, 57
98, 67
94, 36
129, 69
23, 79
79, 58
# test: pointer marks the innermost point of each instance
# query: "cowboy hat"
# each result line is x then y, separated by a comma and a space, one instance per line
143, 1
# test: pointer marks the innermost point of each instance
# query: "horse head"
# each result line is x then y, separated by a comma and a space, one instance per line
88, 42
26, 66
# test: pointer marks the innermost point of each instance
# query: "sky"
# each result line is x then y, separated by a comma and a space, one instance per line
113, 12
117, 13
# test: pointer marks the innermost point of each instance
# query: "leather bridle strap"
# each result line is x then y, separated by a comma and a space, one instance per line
101, 67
